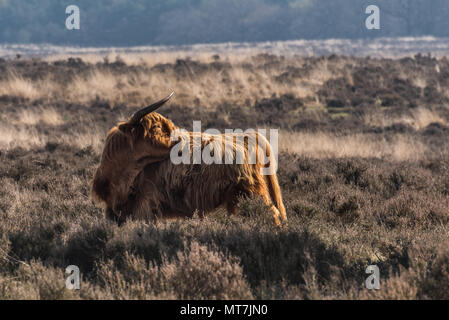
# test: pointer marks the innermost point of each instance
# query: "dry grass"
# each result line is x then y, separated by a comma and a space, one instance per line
324, 145
28, 137
47, 115
207, 88
96, 85
418, 119
12, 137
19, 87
201, 78
244, 81
93, 138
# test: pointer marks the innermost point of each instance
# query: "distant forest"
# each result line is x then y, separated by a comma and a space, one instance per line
174, 22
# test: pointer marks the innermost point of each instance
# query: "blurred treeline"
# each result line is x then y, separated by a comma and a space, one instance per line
140, 22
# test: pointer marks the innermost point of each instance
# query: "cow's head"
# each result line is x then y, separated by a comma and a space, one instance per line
129, 147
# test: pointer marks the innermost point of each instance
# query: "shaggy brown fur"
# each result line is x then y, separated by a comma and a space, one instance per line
137, 179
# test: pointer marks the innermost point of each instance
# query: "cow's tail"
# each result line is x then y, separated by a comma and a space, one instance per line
272, 180
275, 195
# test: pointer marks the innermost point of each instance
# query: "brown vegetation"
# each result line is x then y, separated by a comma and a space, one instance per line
363, 169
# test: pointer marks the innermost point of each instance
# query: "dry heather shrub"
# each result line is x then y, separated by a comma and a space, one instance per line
255, 209
5, 247
86, 243
398, 287
340, 203
13, 289
413, 209
202, 273
346, 204
304, 209
133, 280
34, 281
196, 273
436, 283
427, 276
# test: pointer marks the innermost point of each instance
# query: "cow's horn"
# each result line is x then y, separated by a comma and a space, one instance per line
144, 111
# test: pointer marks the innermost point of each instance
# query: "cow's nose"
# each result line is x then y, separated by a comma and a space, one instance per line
115, 215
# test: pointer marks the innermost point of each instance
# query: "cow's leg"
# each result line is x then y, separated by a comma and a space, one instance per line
233, 198
261, 188
273, 209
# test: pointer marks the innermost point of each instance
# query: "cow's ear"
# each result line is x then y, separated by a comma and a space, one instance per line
125, 127
167, 127
162, 134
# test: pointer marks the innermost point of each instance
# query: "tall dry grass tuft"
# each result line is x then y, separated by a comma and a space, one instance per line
27, 138
17, 86
418, 119
95, 85
324, 145
93, 138
46, 115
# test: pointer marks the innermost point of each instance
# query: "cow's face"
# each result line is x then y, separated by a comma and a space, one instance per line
129, 147
149, 139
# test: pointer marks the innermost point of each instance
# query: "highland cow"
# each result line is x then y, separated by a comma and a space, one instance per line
137, 178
